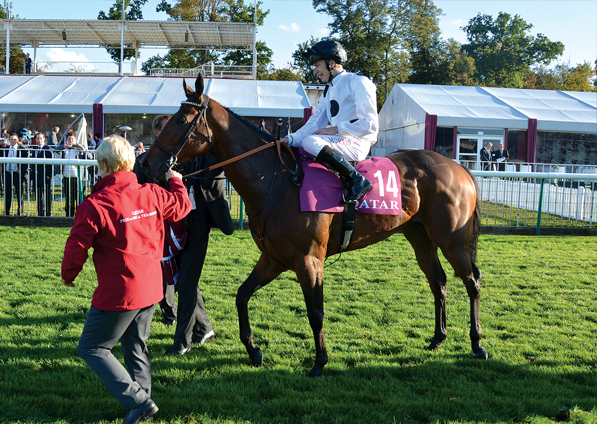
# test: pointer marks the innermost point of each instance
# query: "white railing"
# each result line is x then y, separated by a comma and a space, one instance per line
538, 199
510, 199
67, 67
206, 70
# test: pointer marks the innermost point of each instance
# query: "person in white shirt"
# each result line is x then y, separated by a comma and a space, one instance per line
345, 124
13, 178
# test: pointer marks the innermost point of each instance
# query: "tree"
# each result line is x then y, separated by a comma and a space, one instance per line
16, 58
504, 51
132, 12
377, 36
210, 11
562, 77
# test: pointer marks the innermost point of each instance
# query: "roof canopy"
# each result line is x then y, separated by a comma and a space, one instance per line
482, 107
143, 94
100, 33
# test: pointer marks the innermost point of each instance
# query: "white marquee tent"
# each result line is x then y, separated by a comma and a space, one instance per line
408, 108
142, 94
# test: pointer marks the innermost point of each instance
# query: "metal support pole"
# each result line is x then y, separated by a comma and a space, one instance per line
539, 207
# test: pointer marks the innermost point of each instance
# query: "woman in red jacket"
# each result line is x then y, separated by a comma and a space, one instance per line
124, 223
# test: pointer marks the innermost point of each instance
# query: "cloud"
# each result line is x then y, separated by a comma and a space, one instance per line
459, 22
61, 55
290, 28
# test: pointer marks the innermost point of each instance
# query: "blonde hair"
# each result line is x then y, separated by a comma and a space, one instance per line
116, 153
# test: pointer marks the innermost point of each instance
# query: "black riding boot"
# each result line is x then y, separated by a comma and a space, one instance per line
359, 184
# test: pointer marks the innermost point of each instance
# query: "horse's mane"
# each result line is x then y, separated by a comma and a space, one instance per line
259, 132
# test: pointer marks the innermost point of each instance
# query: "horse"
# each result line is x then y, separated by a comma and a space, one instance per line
440, 209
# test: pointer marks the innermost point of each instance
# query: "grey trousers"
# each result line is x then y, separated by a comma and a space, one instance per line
102, 331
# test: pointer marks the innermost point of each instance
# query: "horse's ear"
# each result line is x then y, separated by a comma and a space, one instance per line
188, 91
199, 85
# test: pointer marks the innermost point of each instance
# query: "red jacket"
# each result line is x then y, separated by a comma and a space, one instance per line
124, 223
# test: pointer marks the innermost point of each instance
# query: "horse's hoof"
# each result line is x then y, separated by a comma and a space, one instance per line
257, 357
480, 353
316, 371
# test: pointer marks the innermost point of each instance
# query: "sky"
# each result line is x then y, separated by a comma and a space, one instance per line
290, 22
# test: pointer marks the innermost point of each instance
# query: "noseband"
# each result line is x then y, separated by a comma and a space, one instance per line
173, 160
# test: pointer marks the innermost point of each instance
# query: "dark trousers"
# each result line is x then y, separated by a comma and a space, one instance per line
13, 183
70, 187
102, 331
192, 317
168, 303
44, 197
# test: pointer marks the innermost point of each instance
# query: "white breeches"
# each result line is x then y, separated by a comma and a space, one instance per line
351, 148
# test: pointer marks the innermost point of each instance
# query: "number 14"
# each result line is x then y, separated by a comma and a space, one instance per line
391, 187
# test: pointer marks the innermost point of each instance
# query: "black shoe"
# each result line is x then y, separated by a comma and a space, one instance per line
206, 338
174, 351
141, 413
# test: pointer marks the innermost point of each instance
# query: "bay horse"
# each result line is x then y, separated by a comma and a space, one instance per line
440, 209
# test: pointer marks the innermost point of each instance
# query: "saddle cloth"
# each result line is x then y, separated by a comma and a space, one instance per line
321, 189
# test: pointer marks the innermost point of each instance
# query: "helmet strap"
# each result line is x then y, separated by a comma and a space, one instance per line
330, 68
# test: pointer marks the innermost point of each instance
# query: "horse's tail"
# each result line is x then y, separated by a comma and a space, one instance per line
472, 246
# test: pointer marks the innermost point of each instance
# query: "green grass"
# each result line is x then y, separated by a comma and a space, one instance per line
538, 312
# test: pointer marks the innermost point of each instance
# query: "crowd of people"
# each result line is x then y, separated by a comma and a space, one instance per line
17, 179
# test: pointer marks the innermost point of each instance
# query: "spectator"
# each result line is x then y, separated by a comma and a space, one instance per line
42, 175
13, 175
123, 223
486, 157
501, 157
28, 63
53, 137
91, 142
139, 148
70, 173
98, 139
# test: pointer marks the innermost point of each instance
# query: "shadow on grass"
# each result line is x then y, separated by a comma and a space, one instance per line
43, 380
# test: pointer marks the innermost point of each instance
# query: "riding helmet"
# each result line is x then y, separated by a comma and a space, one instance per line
327, 50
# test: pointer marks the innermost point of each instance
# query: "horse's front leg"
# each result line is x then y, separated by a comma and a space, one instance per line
266, 270
310, 276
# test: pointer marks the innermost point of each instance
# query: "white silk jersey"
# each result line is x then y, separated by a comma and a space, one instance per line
349, 104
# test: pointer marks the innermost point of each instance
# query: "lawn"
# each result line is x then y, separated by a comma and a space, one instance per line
538, 313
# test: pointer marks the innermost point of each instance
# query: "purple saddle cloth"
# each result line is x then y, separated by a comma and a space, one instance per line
321, 189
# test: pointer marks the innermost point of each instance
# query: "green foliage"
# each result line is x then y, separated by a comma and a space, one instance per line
132, 12
562, 77
376, 35
538, 314
504, 51
290, 73
16, 60
211, 11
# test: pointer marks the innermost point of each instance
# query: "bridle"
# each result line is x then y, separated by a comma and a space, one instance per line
173, 161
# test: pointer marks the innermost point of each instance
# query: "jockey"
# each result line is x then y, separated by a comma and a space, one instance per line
349, 107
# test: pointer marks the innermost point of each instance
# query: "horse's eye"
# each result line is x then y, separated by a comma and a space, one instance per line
182, 120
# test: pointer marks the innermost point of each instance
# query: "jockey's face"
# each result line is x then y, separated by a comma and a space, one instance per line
321, 71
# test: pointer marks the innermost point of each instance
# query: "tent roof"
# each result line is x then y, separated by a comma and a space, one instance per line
500, 107
143, 94
101, 33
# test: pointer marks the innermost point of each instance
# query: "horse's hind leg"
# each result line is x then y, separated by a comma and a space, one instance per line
310, 276
265, 271
426, 254
464, 267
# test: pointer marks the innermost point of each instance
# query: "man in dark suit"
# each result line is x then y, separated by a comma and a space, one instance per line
13, 174
501, 157
486, 157
53, 136
43, 176
208, 194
